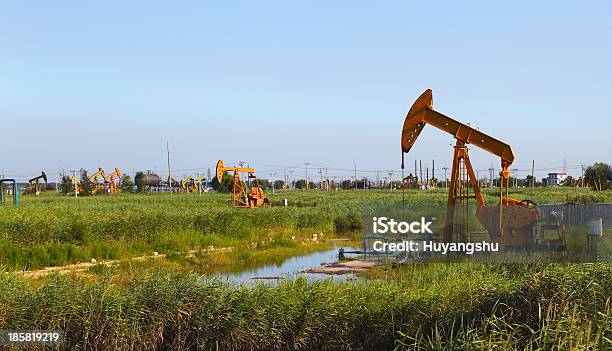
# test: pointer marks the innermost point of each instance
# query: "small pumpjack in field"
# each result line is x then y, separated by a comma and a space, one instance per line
512, 221
34, 186
110, 182
188, 185
96, 186
199, 183
255, 198
192, 185
95, 183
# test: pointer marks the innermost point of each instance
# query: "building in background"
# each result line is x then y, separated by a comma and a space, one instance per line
556, 178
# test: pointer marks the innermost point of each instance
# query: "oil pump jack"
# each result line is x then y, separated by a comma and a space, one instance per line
93, 179
511, 222
186, 185
109, 180
189, 185
95, 184
256, 198
34, 184
198, 183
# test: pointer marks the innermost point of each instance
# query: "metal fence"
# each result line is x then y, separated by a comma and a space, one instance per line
576, 215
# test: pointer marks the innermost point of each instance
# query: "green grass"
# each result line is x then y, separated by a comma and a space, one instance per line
164, 304
56, 230
431, 308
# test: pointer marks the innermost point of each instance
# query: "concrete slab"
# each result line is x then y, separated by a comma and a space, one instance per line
345, 267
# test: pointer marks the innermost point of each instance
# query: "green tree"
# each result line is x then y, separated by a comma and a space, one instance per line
301, 184
225, 186
599, 176
140, 182
527, 182
87, 186
263, 183
126, 183
66, 186
279, 184
348, 184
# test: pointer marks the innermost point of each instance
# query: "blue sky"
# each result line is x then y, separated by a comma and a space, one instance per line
88, 84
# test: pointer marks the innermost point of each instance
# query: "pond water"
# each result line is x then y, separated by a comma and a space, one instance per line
289, 269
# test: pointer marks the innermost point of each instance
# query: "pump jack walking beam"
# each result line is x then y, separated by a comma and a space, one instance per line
422, 113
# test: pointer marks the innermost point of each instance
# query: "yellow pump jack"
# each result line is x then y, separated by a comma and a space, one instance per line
256, 198
110, 182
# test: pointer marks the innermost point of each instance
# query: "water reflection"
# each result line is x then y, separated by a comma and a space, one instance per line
289, 269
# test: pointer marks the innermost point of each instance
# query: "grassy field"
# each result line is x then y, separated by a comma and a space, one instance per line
165, 304
433, 307
54, 230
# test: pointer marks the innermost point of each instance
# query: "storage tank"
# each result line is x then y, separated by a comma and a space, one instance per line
147, 179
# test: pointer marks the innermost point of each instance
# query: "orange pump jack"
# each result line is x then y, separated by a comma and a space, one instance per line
510, 222
255, 198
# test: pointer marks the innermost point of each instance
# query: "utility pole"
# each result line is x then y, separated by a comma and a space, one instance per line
289, 177
421, 174
169, 175
199, 184
582, 177
390, 180
208, 180
286, 180
491, 177
515, 177
246, 178
307, 182
320, 178
76, 189
445, 182
532, 177
355, 165
272, 181
433, 170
